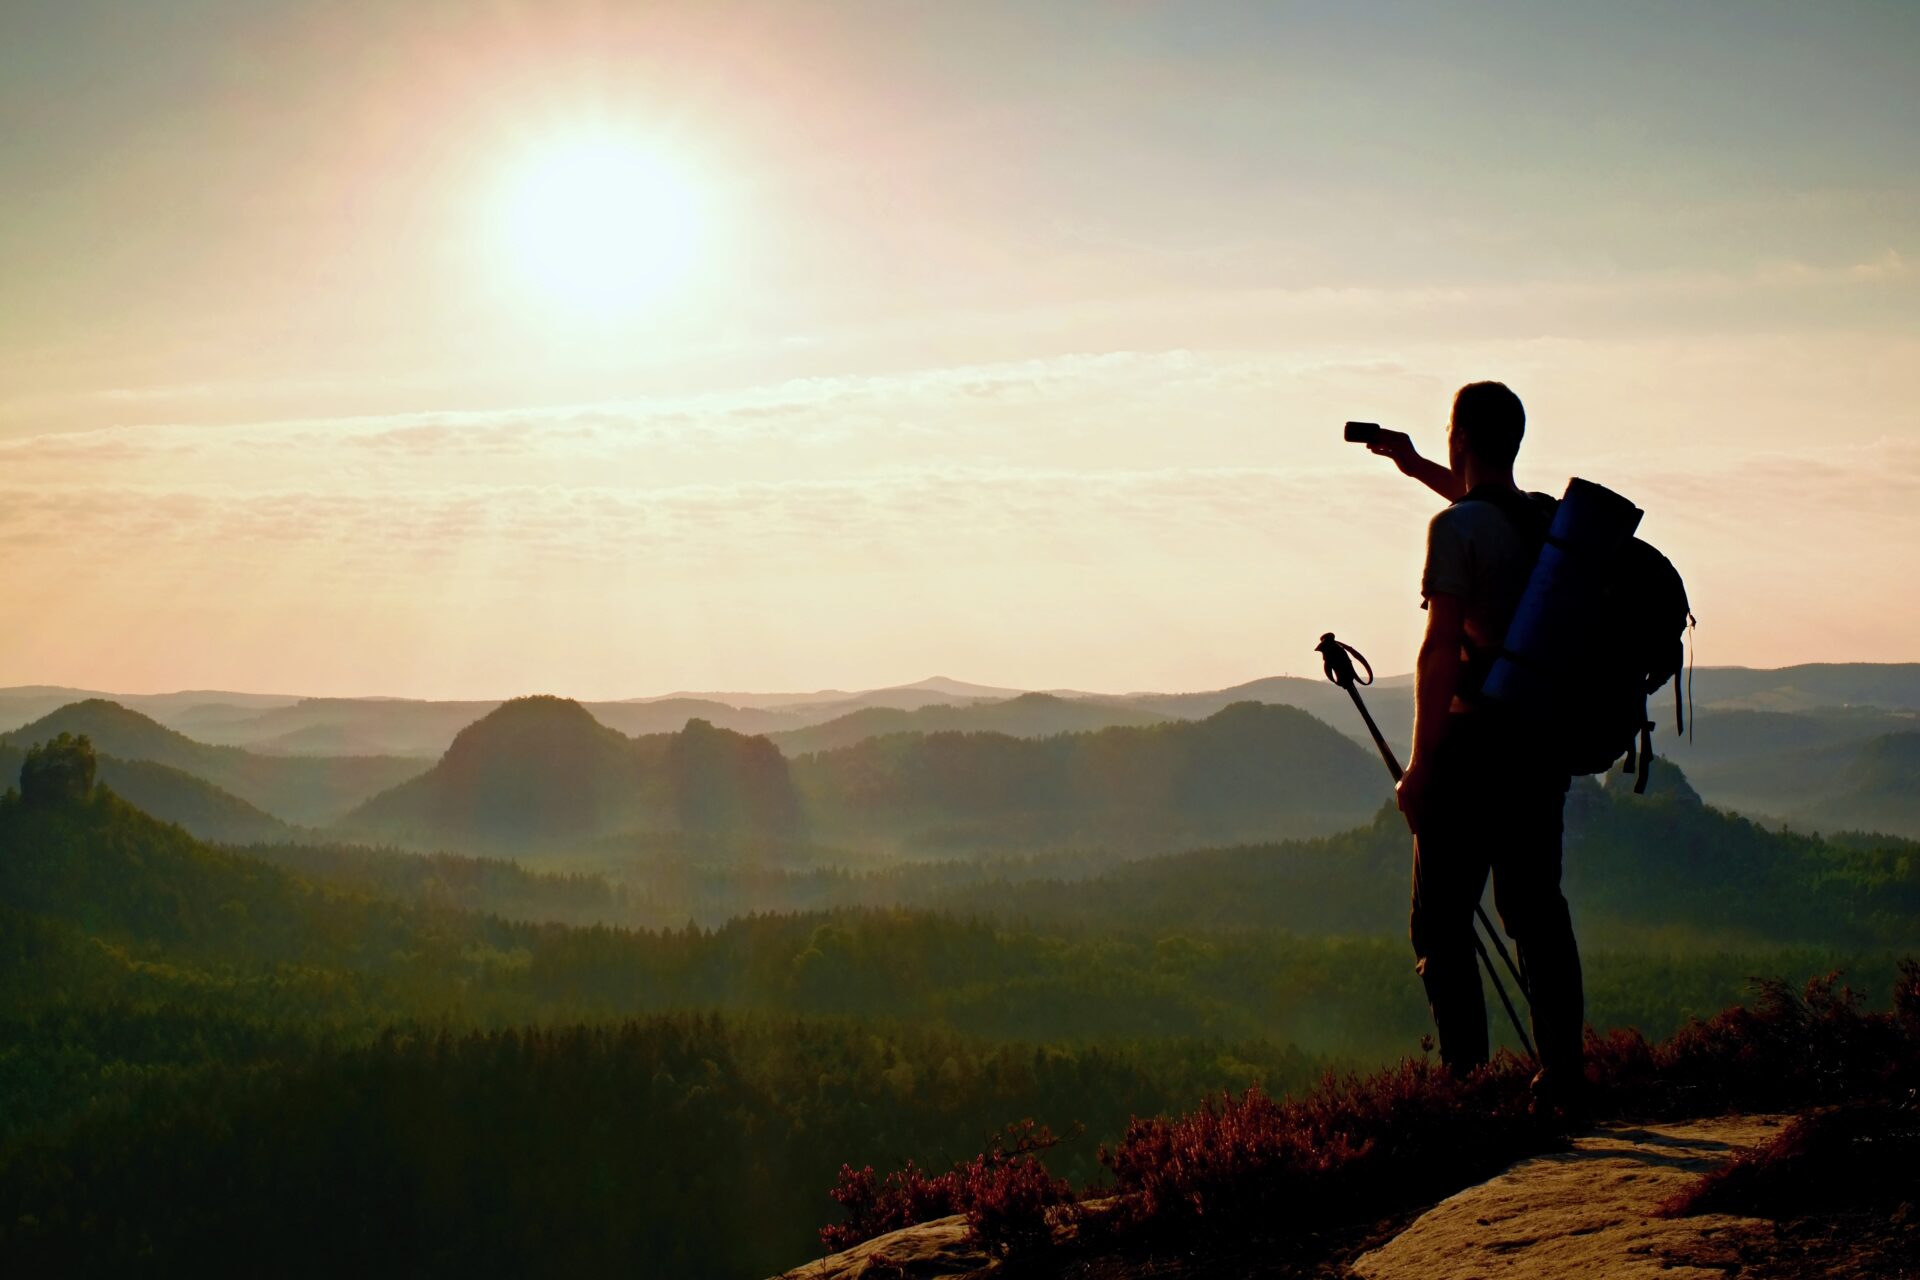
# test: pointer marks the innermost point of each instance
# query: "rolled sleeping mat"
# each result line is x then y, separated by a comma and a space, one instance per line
1562, 599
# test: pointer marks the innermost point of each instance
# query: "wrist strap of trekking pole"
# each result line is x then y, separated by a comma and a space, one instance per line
1338, 658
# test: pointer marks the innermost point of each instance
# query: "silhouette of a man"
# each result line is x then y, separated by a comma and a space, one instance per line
1476, 793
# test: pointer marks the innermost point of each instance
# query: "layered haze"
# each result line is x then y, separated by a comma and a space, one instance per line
1016, 344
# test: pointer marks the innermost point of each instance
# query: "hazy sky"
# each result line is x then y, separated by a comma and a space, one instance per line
1009, 342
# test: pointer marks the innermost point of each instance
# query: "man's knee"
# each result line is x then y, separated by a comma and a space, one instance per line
1539, 916
1441, 923
1437, 953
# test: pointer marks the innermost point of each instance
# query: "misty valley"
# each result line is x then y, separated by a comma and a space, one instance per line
537, 985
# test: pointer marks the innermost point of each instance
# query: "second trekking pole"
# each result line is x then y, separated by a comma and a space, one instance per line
1338, 660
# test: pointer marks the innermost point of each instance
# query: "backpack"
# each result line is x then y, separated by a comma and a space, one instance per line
1621, 641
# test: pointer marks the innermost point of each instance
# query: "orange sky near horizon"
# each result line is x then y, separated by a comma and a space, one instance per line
613, 349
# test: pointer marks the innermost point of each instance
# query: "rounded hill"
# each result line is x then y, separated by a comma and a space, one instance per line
540, 773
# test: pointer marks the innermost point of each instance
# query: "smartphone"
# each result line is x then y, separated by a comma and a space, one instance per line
1362, 432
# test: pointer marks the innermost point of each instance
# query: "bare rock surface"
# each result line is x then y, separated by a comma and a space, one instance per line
1579, 1213
925, 1252
936, 1250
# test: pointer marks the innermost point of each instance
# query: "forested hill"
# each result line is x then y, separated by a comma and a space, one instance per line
541, 773
103, 867
305, 790
175, 796
1661, 870
1876, 787
1248, 772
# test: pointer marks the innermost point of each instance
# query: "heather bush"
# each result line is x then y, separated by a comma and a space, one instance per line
1297, 1164
1906, 998
1301, 1166
1359, 1148
1786, 1052
875, 1206
1008, 1195
1836, 1158
1005, 1192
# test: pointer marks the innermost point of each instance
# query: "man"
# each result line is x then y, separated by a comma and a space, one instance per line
1475, 793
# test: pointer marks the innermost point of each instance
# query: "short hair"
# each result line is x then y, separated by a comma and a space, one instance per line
1492, 419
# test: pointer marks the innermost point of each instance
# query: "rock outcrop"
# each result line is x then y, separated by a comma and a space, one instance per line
925, 1252
1578, 1213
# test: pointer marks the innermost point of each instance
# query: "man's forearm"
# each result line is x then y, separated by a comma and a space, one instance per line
1435, 476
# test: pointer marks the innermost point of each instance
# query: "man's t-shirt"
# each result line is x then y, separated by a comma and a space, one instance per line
1475, 552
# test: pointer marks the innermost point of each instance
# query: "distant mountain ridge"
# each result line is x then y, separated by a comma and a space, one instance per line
670, 715
1894, 686
1779, 744
542, 774
23, 704
911, 694
1028, 715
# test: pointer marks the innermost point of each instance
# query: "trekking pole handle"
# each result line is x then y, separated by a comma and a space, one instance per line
1337, 660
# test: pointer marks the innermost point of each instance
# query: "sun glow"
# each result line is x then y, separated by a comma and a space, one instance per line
601, 223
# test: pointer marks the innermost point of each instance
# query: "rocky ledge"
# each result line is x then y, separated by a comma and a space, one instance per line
1587, 1211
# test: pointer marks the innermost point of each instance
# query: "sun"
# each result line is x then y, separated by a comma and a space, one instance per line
600, 222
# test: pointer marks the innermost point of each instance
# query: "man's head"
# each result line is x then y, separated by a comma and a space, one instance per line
1488, 422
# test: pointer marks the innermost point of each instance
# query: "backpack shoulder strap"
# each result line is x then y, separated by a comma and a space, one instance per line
1531, 513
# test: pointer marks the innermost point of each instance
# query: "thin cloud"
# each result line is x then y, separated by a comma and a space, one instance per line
949, 511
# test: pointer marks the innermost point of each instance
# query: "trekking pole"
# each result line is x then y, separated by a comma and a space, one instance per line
1338, 659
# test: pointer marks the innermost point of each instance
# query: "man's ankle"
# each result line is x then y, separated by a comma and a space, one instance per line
1561, 1091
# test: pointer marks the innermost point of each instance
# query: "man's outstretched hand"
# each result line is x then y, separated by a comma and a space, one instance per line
1397, 445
